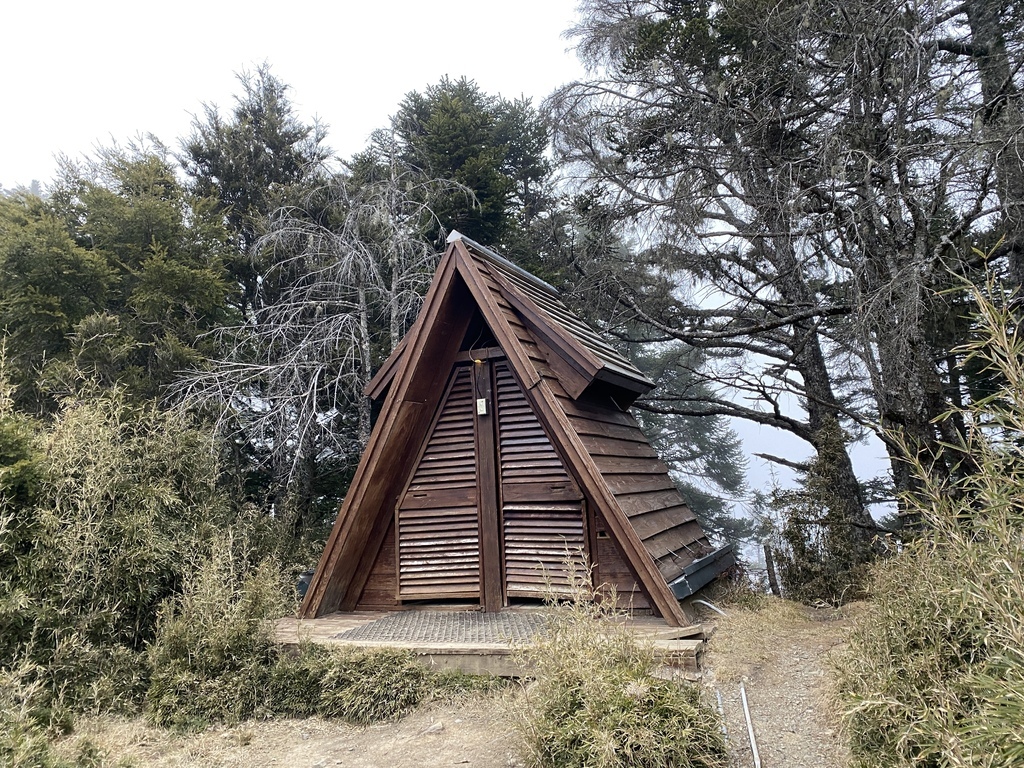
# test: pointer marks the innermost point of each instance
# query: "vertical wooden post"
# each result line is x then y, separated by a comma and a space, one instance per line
492, 583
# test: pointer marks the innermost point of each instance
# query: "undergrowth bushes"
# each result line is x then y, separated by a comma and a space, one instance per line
596, 700
934, 672
28, 720
212, 654
129, 582
102, 513
214, 660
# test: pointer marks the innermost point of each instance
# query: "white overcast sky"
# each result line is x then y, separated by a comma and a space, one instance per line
83, 74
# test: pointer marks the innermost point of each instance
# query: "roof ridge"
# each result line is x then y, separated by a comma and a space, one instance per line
493, 255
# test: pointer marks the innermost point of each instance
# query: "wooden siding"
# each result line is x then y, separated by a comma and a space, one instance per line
633, 472
526, 454
382, 584
612, 571
412, 399
619, 451
438, 527
640, 481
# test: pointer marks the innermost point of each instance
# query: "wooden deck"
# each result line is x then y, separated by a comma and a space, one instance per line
682, 646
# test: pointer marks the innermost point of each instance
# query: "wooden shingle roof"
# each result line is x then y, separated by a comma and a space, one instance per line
590, 356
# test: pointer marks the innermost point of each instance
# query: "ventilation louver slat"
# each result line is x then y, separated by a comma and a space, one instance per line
542, 511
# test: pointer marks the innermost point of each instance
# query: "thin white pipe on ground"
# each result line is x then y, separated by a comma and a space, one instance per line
750, 726
714, 608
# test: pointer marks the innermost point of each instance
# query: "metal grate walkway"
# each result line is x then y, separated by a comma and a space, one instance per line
448, 627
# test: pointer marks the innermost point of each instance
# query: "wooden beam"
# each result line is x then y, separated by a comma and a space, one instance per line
380, 381
491, 580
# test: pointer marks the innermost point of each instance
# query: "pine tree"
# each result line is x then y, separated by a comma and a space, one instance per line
253, 161
492, 147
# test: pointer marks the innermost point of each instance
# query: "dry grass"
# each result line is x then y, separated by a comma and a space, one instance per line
118, 741
748, 638
471, 732
596, 701
934, 670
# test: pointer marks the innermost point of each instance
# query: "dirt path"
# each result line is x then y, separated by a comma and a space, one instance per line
780, 655
474, 733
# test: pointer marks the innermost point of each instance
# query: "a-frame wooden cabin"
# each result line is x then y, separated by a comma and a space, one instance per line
503, 443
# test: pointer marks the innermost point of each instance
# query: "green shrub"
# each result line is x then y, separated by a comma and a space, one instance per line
29, 717
214, 659
363, 685
102, 513
368, 686
353, 684
596, 701
819, 555
295, 681
213, 654
934, 671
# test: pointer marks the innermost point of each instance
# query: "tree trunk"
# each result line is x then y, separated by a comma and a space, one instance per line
1003, 125
365, 361
823, 409
773, 578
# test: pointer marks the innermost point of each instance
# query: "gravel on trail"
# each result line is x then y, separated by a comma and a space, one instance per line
782, 660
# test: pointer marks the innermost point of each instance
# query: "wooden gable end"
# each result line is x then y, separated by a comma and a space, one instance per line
569, 471
436, 549
579, 355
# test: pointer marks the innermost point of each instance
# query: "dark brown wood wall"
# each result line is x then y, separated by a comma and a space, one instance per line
606, 557
362, 522
641, 484
612, 571
382, 583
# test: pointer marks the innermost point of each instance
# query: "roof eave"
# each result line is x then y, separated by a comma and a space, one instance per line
703, 571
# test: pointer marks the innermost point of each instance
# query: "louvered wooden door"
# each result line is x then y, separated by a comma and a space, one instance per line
490, 512
541, 507
437, 525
